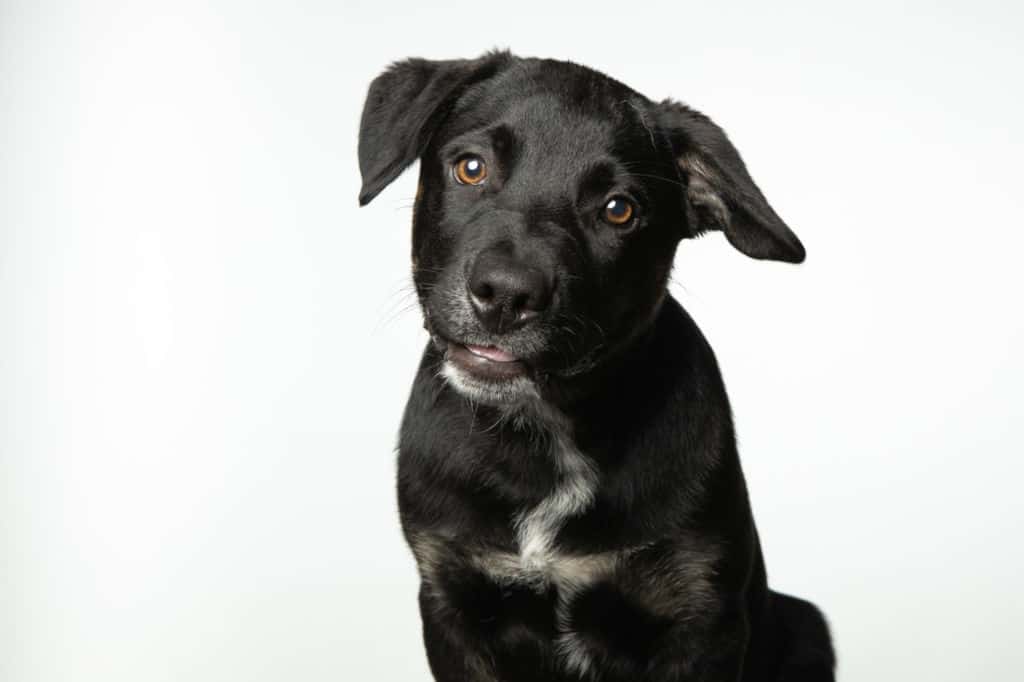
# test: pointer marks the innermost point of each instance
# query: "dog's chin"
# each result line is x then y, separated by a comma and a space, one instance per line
487, 375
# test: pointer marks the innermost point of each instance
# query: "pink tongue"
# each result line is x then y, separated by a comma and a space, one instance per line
491, 353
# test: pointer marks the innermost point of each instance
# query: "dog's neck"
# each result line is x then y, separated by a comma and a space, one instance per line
578, 395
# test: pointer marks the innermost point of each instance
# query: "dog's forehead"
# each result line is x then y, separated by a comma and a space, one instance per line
556, 107
547, 125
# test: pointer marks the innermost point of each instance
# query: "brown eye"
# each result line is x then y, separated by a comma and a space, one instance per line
470, 170
618, 211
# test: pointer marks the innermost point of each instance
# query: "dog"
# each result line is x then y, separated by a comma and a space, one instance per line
568, 476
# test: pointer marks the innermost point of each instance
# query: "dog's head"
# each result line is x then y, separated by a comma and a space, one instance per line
550, 204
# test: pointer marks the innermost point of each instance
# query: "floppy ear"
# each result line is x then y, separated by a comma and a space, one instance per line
403, 107
721, 193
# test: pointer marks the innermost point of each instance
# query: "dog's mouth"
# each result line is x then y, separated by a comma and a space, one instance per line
489, 363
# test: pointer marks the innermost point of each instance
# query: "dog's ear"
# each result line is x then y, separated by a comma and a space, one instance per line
404, 106
720, 192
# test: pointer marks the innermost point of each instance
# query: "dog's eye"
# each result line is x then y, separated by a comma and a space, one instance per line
618, 211
470, 170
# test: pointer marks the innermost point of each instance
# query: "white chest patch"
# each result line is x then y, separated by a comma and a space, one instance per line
573, 494
540, 562
567, 573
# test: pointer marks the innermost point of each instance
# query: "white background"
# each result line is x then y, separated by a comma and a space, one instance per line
205, 346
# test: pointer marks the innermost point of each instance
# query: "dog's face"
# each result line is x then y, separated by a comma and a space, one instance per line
551, 201
546, 228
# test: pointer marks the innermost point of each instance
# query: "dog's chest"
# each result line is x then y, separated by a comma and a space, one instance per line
530, 584
533, 558
537, 527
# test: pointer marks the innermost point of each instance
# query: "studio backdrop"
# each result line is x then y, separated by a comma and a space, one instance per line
206, 345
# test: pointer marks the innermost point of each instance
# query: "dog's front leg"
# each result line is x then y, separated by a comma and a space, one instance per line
612, 637
714, 655
453, 654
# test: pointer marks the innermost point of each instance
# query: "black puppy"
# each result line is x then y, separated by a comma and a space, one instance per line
568, 477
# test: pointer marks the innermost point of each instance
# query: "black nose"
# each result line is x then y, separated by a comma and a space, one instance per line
507, 293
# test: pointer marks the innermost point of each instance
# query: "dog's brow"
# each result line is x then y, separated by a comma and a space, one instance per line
502, 135
505, 145
598, 177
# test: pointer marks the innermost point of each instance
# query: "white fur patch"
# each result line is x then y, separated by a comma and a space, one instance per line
539, 564
564, 571
488, 392
537, 528
576, 475
573, 494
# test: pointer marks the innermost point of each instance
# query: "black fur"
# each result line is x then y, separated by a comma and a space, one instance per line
652, 569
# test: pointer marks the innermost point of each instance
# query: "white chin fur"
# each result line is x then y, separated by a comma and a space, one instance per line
503, 392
